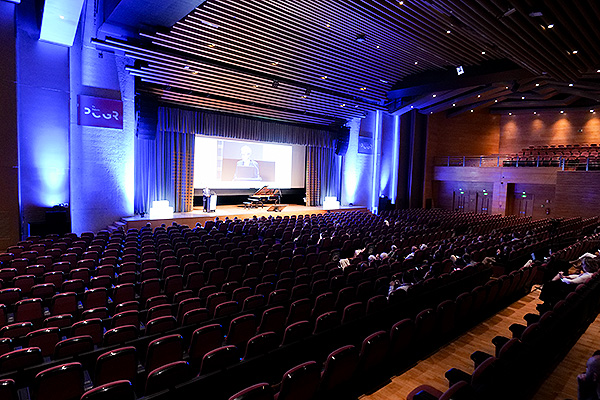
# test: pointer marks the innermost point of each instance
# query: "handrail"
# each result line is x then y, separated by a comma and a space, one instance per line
511, 160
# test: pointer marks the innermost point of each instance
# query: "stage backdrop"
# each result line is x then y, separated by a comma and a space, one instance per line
164, 165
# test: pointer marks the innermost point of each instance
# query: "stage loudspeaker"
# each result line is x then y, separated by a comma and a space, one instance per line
146, 116
341, 141
277, 207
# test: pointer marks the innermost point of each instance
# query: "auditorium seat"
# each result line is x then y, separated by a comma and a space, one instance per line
120, 335
20, 359
16, 330
116, 390
8, 389
203, 340
45, 339
338, 370
272, 320
218, 359
73, 346
167, 376
300, 382
63, 382
161, 325
260, 344
260, 391
372, 354
117, 364
163, 350
402, 339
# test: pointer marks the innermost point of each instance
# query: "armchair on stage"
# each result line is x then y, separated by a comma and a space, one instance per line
265, 195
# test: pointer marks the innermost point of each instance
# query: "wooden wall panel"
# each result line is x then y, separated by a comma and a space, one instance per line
469, 134
524, 130
577, 193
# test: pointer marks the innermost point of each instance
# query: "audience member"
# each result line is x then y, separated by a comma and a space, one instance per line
588, 383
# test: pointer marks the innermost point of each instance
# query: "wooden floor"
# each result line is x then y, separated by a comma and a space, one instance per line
560, 385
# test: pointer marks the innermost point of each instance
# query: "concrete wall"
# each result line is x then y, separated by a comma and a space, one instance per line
101, 159
357, 169
9, 182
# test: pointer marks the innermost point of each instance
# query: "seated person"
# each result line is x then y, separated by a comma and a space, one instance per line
562, 284
588, 383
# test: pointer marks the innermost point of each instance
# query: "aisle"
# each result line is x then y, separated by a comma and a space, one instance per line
562, 383
456, 354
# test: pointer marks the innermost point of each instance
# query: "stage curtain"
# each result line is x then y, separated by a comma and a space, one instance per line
164, 168
322, 179
234, 127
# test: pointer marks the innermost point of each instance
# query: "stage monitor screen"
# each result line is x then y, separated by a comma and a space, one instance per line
234, 164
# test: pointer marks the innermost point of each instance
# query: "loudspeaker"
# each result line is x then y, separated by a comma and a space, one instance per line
341, 141
146, 115
277, 207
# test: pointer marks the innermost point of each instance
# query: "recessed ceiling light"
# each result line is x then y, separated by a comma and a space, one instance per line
448, 31
591, 111
537, 84
377, 46
255, 86
342, 105
483, 53
522, 97
61, 16
324, 77
550, 26
401, 3
570, 84
194, 72
575, 51
562, 112
186, 67
534, 113
416, 62
506, 87
303, 96
453, 104
496, 100
478, 96
509, 113
211, 45
411, 106
431, 112
327, 25
598, 70
274, 63
363, 88
434, 95
471, 110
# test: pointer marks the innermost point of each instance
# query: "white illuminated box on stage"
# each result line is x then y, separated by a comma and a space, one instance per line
331, 203
213, 202
161, 210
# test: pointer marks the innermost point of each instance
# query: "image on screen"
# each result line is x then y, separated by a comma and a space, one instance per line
233, 164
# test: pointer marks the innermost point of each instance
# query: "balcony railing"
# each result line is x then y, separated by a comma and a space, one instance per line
503, 160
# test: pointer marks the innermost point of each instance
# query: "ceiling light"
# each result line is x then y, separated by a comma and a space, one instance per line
431, 112
194, 72
377, 46
434, 95
537, 84
383, 81
342, 105
274, 63
483, 53
591, 111
496, 100
534, 113
448, 31
522, 97
416, 62
562, 112
61, 16
478, 96
506, 87
411, 106
324, 77
303, 96
453, 104
598, 70
575, 51
186, 67
570, 84
550, 26
327, 25
363, 88
211, 45
471, 110
401, 3
255, 86
509, 113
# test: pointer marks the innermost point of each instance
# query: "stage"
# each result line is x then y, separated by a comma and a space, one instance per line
197, 215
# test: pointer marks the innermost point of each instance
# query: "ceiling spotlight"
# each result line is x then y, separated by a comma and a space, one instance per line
537, 84
509, 113
575, 51
471, 110
591, 111
496, 100
483, 53
509, 12
453, 104
401, 3
211, 45
303, 96
377, 46
506, 87
431, 112
275, 83
448, 31
255, 86
416, 62
324, 77
534, 113
598, 70
434, 95
274, 63
194, 72
363, 88
361, 37
61, 16
570, 85
522, 97
342, 105
478, 96
562, 111
550, 26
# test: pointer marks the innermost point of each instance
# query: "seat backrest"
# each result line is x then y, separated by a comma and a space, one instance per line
241, 329
73, 346
261, 344
167, 376
114, 390
339, 368
20, 359
260, 391
300, 382
218, 359
205, 339
61, 382
117, 364
163, 351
